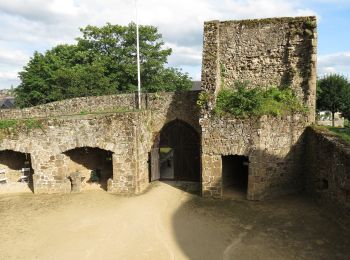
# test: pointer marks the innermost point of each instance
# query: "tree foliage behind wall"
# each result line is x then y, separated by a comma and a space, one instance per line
103, 61
333, 94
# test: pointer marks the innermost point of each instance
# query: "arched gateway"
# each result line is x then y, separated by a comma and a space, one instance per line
176, 153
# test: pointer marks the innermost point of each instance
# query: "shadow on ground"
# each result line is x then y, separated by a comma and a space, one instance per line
292, 227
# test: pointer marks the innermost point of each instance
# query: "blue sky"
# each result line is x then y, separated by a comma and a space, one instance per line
27, 26
333, 25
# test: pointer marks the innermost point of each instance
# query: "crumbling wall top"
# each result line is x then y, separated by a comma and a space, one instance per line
261, 52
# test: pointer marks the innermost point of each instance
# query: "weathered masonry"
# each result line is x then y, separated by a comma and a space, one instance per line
104, 141
108, 148
327, 171
279, 52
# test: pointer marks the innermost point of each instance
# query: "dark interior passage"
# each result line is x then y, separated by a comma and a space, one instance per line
94, 165
16, 167
234, 175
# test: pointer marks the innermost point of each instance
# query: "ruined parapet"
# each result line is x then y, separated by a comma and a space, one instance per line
265, 52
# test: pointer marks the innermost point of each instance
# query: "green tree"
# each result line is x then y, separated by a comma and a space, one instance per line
333, 94
103, 61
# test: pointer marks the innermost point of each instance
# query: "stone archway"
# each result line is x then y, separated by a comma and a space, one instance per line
15, 169
92, 166
176, 153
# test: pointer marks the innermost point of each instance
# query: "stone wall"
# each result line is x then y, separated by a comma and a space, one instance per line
327, 171
265, 52
82, 105
98, 104
274, 146
47, 146
129, 136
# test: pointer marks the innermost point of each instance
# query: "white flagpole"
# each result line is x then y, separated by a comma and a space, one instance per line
138, 59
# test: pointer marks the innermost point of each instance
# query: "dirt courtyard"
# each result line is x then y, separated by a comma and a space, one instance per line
165, 223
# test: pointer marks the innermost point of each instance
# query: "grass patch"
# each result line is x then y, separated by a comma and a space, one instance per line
33, 123
84, 112
244, 102
16, 125
8, 123
112, 110
343, 133
104, 111
20, 123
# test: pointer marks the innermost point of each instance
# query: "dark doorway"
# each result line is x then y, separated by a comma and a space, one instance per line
234, 175
94, 166
176, 153
16, 167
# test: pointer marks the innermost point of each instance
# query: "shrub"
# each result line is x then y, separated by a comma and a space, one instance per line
203, 98
243, 102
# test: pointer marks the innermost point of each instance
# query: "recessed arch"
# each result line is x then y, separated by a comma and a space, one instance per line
16, 167
93, 165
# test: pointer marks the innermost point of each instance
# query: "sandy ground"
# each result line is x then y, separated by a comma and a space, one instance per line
165, 223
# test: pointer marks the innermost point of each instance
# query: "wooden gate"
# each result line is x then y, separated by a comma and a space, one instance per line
185, 142
155, 169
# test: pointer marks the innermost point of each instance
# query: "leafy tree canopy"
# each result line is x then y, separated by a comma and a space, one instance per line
103, 61
333, 94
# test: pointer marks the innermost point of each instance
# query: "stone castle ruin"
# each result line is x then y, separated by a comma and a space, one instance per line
104, 141
268, 52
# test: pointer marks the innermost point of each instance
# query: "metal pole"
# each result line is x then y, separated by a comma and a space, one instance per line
138, 59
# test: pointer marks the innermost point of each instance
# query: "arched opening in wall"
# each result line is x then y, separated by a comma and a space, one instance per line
16, 172
90, 167
235, 176
176, 153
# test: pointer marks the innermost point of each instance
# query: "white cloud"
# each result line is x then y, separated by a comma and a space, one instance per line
8, 75
48, 11
31, 25
183, 55
13, 57
334, 63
